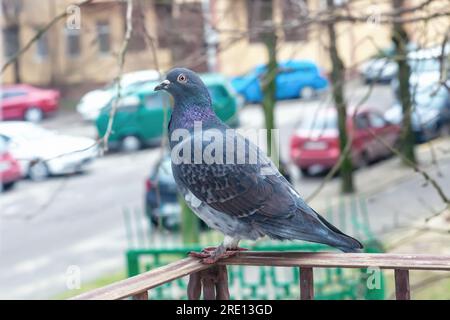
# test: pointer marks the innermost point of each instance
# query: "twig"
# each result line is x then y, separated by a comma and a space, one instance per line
121, 63
347, 147
417, 169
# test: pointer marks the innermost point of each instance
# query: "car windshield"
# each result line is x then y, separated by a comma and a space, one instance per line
124, 83
28, 132
3, 145
430, 100
165, 171
10, 93
323, 120
217, 92
134, 79
424, 65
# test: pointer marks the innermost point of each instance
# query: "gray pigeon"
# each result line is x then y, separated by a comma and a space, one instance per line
237, 190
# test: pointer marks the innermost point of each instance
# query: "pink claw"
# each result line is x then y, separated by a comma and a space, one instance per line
209, 255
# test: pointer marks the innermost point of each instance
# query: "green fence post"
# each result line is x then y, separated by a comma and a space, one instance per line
133, 263
189, 224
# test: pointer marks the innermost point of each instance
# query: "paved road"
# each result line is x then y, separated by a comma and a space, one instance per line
49, 226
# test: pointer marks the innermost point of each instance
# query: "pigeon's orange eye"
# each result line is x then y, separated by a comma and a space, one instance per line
182, 78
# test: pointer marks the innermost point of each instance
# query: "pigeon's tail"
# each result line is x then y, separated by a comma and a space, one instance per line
318, 230
343, 241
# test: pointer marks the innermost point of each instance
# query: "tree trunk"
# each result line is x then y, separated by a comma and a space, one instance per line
400, 39
337, 80
16, 64
269, 93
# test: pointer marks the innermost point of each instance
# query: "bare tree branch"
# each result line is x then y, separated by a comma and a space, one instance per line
121, 63
417, 169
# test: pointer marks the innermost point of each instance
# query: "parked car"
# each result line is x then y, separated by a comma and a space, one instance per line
140, 115
295, 79
381, 70
382, 67
315, 144
92, 102
23, 101
430, 116
425, 68
9, 167
161, 197
42, 152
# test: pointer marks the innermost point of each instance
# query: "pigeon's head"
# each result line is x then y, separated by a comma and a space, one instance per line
184, 84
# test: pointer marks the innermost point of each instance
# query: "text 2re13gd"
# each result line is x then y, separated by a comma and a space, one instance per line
225, 309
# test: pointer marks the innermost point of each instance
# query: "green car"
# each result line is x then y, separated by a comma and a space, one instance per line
139, 118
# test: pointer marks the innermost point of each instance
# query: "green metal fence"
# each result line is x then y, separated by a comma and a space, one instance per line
150, 248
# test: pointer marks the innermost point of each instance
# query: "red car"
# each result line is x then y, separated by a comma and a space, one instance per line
9, 168
315, 144
26, 102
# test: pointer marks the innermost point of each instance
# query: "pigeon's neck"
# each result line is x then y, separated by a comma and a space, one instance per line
186, 115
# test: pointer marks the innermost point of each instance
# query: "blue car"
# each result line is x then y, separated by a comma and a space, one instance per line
296, 79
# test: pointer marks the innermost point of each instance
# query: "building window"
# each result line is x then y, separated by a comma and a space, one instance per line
323, 4
10, 41
103, 37
73, 46
165, 23
42, 47
292, 11
258, 12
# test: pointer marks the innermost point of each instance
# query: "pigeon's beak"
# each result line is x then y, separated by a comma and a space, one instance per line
163, 85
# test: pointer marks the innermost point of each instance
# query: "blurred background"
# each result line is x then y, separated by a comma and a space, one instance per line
359, 91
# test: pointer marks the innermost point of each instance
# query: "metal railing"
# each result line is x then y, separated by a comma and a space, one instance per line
212, 280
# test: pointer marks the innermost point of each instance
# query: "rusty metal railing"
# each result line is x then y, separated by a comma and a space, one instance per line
212, 280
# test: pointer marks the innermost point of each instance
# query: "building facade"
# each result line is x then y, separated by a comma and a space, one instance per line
206, 35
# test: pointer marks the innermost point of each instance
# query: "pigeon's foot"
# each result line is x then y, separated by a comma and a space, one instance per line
211, 255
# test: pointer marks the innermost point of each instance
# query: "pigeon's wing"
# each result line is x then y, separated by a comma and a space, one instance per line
243, 184
255, 193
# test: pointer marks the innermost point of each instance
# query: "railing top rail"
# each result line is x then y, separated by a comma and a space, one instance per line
154, 278
142, 282
347, 260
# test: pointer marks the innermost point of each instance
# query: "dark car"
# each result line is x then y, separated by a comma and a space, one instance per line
430, 116
161, 197
26, 102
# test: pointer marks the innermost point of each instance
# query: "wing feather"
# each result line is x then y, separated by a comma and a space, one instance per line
240, 190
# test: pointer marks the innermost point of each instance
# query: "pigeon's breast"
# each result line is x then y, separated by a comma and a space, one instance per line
228, 225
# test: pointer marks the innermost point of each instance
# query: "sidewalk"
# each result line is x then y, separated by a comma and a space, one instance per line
396, 195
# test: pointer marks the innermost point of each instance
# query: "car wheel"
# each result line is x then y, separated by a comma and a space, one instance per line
130, 144
307, 93
304, 171
33, 114
7, 186
38, 171
170, 224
